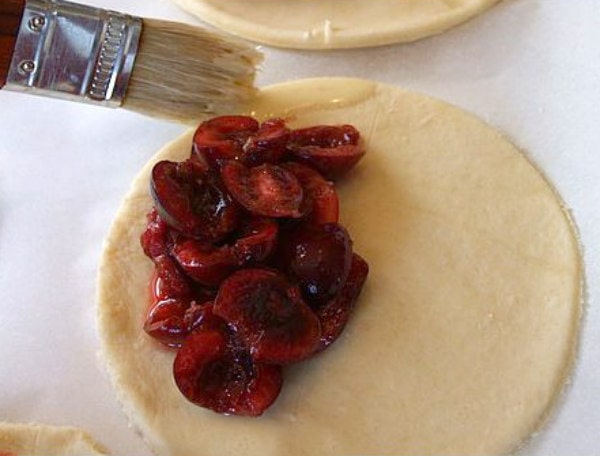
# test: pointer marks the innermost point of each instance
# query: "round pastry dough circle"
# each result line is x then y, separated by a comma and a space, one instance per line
44, 440
331, 24
467, 326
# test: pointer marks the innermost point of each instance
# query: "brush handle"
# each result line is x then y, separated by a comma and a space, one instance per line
11, 12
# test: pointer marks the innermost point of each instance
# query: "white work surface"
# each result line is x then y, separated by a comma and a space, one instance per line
529, 67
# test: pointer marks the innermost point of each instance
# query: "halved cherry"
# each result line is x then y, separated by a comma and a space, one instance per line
203, 262
193, 201
213, 370
266, 190
320, 196
269, 315
165, 322
332, 163
257, 240
268, 145
331, 150
156, 239
222, 138
172, 320
319, 257
335, 314
169, 281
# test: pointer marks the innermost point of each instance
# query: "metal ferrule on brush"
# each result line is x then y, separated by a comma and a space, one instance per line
75, 52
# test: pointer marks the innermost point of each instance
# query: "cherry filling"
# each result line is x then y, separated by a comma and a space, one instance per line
252, 269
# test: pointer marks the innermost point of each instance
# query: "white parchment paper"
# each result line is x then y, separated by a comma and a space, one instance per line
529, 67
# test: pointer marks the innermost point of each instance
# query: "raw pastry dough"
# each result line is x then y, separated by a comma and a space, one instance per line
466, 329
44, 440
329, 24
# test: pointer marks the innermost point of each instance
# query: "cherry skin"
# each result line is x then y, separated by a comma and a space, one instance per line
335, 314
204, 263
252, 269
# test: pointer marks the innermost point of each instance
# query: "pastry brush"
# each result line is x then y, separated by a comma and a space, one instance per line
81, 53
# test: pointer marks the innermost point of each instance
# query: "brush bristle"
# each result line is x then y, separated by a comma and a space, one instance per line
185, 73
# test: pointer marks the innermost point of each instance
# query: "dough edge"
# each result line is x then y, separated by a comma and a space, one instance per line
29, 439
283, 36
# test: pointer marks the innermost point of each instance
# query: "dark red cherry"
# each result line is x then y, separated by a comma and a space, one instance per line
169, 281
204, 263
193, 201
257, 240
213, 370
320, 198
335, 314
331, 150
156, 239
266, 190
165, 322
223, 138
172, 320
318, 257
269, 315
268, 145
